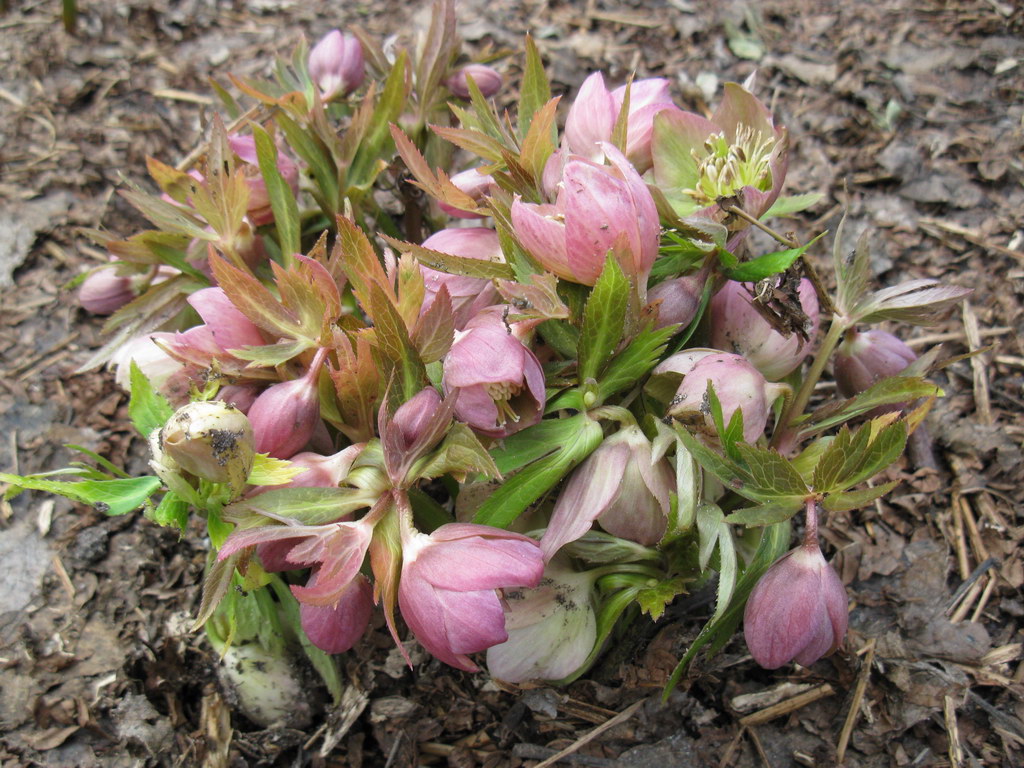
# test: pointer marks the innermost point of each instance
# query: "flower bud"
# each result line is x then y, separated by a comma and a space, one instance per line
259, 209
285, 415
737, 326
242, 396
797, 611
738, 386
336, 628
336, 65
868, 357
680, 299
414, 416
211, 440
468, 294
475, 184
486, 78
104, 292
551, 628
156, 365
597, 209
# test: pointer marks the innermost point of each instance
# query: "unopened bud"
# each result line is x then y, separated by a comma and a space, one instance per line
680, 299
486, 78
865, 358
336, 65
285, 416
211, 440
104, 292
797, 611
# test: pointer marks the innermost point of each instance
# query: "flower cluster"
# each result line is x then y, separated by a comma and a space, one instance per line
332, 344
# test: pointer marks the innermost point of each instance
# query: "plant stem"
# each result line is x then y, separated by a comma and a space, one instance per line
797, 405
811, 525
737, 211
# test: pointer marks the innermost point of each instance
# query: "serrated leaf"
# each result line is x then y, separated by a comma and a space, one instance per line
308, 506
109, 497
354, 255
460, 454
534, 442
920, 302
452, 264
534, 91
434, 331
539, 143
891, 391
319, 161
147, 408
374, 128
603, 320
634, 362
271, 355
767, 265
768, 513
772, 472
393, 340
850, 500
254, 300
653, 600
282, 199
172, 512
852, 272
215, 586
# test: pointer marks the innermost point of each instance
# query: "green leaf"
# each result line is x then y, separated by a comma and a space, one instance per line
266, 470
560, 336
709, 525
172, 512
272, 355
282, 199
607, 616
452, 264
603, 319
771, 472
368, 160
769, 513
536, 442
791, 204
653, 600
393, 339
147, 408
767, 265
320, 162
534, 91
522, 489
849, 500
852, 272
634, 362
110, 497
890, 391
308, 506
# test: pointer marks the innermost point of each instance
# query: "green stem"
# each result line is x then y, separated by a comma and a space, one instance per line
783, 435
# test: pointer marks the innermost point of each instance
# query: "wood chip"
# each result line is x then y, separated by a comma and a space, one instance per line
789, 705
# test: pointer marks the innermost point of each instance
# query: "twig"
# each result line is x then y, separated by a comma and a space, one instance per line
984, 598
731, 749
980, 550
938, 338
960, 542
969, 581
759, 747
969, 235
537, 752
979, 366
956, 755
858, 697
785, 707
737, 211
586, 738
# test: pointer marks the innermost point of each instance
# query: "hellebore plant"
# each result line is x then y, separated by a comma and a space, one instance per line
507, 436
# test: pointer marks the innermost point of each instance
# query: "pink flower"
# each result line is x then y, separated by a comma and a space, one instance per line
597, 209
336, 628
797, 611
285, 415
447, 593
486, 78
622, 486
738, 385
738, 327
104, 292
468, 294
593, 114
228, 327
259, 209
336, 65
499, 380
865, 358
679, 299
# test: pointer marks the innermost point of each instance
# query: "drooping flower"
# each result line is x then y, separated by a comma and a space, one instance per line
622, 485
797, 611
336, 65
104, 292
336, 628
551, 628
679, 299
447, 593
499, 381
285, 415
738, 155
738, 327
597, 209
595, 110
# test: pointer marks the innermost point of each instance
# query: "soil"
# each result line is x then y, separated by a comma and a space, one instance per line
906, 115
